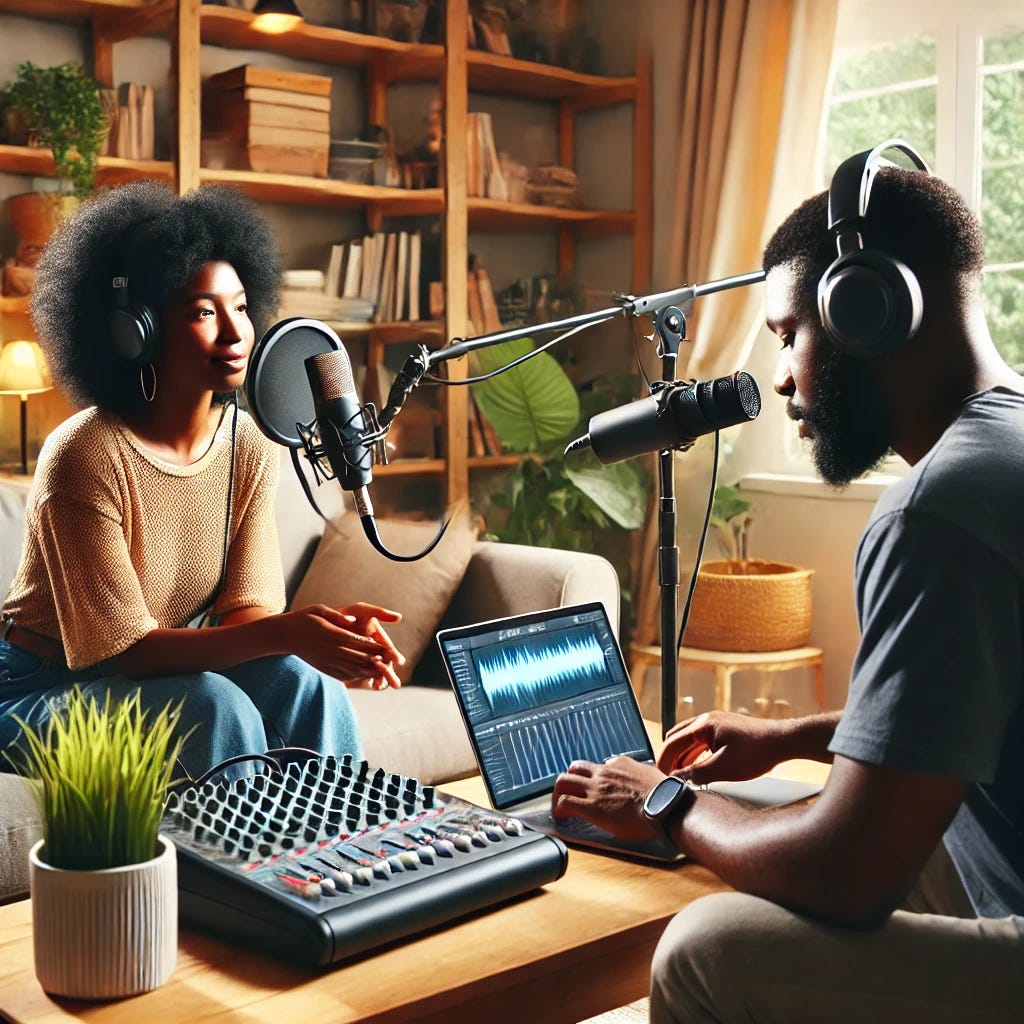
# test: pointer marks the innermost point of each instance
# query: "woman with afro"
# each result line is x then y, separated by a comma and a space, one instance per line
152, 508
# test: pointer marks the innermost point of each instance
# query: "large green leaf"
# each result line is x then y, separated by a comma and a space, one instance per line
617, 490
531, 405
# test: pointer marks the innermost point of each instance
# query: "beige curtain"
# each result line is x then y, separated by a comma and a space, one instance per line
753, 85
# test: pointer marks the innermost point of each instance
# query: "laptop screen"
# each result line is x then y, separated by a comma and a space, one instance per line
538, 691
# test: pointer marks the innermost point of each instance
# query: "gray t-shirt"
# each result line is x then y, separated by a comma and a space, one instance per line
939, 676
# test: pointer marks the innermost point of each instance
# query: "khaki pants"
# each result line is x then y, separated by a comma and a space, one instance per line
731, 958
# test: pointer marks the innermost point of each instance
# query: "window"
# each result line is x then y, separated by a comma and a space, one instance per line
948, 78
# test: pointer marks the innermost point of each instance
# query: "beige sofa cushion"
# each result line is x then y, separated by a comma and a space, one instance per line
346, 569
20, 826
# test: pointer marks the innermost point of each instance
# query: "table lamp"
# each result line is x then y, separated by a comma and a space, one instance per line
276, 16
23, 371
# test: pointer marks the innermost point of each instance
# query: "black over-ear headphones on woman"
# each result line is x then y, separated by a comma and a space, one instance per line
134, 330
870, 302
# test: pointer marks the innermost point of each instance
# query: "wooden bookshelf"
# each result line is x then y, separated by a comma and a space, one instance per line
189, 26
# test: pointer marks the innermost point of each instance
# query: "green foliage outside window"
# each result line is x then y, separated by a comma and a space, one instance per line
891, 91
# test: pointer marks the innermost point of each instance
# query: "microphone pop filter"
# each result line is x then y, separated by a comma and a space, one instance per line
276, 386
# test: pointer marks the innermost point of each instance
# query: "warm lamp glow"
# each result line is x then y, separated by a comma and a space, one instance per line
276, 16
23, 370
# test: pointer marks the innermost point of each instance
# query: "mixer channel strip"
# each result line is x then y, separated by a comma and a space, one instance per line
329, 858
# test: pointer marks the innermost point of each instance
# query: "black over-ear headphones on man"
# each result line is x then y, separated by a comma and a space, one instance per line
870, 303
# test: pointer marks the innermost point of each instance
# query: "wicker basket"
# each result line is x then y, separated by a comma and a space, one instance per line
752, 606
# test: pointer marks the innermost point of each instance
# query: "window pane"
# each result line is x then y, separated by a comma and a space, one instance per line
885, 65
1004, 309
859, 124
1007, 49
1002, 194
1002, 213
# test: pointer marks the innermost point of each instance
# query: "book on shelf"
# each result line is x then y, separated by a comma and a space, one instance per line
353, 269
319, 306
484, 174
284, 98
401, 277
386, 309
415, 253
132, 123
270, 120
271, 78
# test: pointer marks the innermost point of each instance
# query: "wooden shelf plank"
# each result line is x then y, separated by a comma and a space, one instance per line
38, 162
411, 467
497, 215
292, 188
72, 10
488, 72
225, 26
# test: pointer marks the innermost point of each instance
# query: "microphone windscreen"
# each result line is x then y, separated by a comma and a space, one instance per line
276, 387
330, 375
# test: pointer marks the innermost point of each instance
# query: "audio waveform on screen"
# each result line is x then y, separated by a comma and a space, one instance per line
522, 677
542, 748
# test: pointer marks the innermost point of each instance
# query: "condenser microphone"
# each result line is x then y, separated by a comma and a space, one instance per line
347, 440
673, 417
340, 419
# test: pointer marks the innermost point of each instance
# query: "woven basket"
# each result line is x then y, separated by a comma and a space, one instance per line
767, 607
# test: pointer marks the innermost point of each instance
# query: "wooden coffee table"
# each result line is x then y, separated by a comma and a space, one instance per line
574, 948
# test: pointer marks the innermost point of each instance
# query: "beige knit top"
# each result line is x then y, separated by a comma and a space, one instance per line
119, 542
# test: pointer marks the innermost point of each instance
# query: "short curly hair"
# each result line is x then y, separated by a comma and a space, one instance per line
160, 240
917, 218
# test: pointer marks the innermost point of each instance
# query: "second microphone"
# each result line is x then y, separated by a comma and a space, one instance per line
675, 416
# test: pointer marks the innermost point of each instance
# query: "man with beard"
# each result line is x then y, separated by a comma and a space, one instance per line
898, 894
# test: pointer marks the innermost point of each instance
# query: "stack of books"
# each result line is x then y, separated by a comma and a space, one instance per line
382, 271
277, 122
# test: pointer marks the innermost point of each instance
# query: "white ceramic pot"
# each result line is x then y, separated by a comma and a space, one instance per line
105, 934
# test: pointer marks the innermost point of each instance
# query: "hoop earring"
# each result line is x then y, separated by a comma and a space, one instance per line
151, 393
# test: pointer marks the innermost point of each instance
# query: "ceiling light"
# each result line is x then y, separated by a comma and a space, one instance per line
276, 16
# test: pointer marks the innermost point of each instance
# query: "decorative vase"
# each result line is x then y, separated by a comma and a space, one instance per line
105, 934
750, 605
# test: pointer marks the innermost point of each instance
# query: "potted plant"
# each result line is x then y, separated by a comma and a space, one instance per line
103, 880
59, 107
742, 603
547, 500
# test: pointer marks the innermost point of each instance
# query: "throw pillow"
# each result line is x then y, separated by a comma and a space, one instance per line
346, 569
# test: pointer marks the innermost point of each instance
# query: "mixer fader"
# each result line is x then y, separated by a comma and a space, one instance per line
329, 858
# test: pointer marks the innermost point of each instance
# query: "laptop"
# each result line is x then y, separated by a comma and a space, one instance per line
540, 690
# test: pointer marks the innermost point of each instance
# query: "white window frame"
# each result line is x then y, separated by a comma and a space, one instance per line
958, 28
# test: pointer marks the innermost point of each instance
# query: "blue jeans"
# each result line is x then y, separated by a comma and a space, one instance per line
270, 702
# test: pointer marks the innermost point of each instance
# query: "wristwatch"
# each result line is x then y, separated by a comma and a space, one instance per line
668, 796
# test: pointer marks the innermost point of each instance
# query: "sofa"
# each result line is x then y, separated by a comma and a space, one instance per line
417, 729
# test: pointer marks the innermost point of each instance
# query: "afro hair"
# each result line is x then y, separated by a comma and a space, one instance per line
160, 241
914, 217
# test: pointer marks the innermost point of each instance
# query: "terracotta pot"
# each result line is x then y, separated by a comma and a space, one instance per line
105, 934
35, 216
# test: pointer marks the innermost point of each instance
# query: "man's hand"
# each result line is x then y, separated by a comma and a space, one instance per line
719, 745
610, 795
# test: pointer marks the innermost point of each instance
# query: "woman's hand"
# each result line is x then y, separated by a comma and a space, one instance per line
720, 745
366, 620
348, 644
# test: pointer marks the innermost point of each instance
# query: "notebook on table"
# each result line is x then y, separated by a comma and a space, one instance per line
541, 690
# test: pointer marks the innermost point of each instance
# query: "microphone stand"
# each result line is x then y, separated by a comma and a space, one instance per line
667, 313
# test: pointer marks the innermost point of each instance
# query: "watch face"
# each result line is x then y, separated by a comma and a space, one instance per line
664, 795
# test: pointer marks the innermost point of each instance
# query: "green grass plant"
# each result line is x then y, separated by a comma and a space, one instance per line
103, 772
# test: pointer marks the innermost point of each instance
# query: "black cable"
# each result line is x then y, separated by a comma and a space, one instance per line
700, 546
